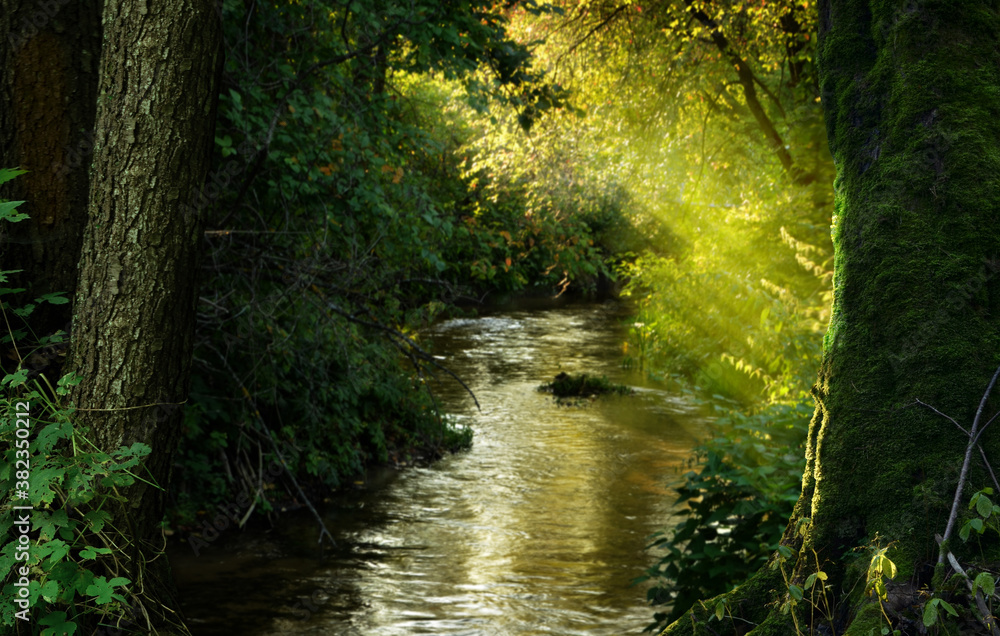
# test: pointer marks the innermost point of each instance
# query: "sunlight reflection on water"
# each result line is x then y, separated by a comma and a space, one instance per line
539, 529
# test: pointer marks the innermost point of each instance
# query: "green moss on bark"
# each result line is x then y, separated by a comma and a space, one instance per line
746, 606
911, 90
912, 114
868, 620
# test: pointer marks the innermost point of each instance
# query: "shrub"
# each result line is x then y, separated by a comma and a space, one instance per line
733, 509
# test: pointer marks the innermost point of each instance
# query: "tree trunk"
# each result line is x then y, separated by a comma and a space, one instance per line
911, 92
135, 304
48, 96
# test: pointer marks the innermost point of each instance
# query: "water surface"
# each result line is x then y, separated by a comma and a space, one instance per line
539, 529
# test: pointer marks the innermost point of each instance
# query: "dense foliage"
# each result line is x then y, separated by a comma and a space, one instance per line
736, 501
378, 163
348, 206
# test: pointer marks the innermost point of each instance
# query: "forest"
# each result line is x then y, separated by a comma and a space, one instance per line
257, 258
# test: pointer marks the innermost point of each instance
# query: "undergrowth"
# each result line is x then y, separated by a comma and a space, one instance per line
56, 546
733, 508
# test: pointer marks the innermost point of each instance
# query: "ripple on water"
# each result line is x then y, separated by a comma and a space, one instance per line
539, 529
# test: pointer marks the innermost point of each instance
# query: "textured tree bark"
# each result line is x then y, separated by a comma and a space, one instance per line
48, 89
135, 304
911, 92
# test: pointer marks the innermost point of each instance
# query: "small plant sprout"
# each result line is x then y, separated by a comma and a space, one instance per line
880, 569
795, 593
931, 610
988, 513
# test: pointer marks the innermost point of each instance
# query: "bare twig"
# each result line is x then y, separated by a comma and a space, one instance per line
305, 499
592, 31
984, 612
284, 464
399, 340
982, 453
988, 467
974, 434
947, 417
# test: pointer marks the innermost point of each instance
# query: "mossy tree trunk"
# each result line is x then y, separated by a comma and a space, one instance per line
911, 92
135, 303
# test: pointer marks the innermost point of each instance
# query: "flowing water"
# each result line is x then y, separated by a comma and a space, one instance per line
540, 528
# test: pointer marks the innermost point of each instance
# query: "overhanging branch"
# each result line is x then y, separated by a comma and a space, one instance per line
749, 81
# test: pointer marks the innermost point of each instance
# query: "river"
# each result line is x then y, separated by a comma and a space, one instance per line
539, 529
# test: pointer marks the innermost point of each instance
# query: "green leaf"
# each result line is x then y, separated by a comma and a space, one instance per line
103, 589
984, 507
50, 435
6, 174
887, 567
59, 549
795, 591
70, 380
7, 211
91, 552
947, 606
57, 624
43, 482
49, 591
55, 298
975, 497
17, 378
97, 519
812, 578
880, 590
930, 612
720, 609
48, 524
83, 580
985, 582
